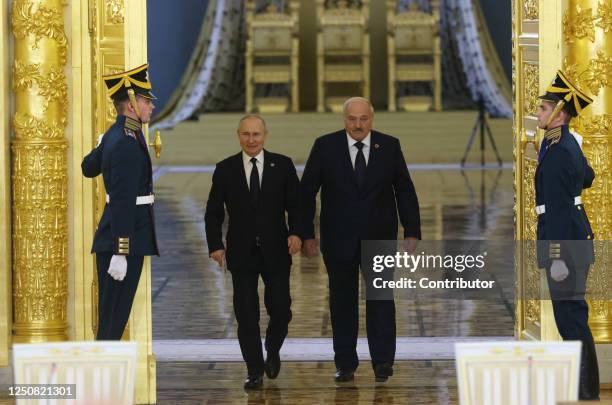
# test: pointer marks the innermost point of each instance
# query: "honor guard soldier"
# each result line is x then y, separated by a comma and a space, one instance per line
126, 232
565, 239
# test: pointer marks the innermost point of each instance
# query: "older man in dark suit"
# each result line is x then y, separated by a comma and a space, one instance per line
258, 188
364, 184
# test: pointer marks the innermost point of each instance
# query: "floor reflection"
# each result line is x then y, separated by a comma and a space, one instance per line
192, 295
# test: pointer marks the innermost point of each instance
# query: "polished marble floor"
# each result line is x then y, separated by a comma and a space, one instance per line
193, 297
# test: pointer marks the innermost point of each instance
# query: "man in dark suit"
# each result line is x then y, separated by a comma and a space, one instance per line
565, 238
126, 232
364, 184
258, 188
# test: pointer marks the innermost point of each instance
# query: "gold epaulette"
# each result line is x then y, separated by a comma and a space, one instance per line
132, 124
553, 135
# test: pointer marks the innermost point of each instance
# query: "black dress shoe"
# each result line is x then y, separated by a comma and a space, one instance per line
382, 372
344, 375
253, 382
273, 364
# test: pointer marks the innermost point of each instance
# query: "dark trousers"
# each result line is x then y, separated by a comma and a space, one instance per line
571, 313
344, 309
277, 300
569, 306
115, 298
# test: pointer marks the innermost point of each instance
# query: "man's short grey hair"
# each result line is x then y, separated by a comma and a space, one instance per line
253, 116
348, 102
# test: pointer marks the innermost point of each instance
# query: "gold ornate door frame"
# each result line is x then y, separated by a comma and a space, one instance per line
110, 36
531, 36
5, 190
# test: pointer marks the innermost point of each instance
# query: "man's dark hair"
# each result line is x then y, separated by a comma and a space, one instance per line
568, 117
121, 104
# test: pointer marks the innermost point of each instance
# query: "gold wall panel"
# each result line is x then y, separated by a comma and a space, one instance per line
40, 172
5, 193
587, 49
526, 80
573, 35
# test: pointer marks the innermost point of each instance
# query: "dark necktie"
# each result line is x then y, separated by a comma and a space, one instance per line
360, 164
254, 182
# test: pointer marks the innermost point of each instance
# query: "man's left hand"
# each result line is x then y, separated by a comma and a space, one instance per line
294, 243
410, 244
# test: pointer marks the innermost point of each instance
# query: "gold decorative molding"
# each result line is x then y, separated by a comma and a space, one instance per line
596, 125
596, 75
40, 232
604, 13
530, 10
40, 22
530, 87
115, 11
51, 86
28, 127
530, 268
598, 199
40, 172
580, 23
5, 192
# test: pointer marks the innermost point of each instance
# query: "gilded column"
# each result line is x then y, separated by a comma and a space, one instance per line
587, 46
39, 172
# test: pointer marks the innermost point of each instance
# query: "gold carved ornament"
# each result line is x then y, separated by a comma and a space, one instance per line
40, 174
530, 10
52, 87
115, 11
581, 24
42, 23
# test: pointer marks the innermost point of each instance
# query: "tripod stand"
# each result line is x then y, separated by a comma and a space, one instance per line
481, 122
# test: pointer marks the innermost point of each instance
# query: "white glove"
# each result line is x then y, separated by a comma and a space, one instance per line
100, 140
558, 270
118, 267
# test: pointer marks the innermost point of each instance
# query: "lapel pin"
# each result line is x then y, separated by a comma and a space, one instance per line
271, 164
376, 146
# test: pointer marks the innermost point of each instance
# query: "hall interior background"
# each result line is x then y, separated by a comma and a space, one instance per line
196, 52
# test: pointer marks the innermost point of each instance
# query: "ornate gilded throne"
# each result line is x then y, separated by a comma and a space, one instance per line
343, 49
413, 37
271, 57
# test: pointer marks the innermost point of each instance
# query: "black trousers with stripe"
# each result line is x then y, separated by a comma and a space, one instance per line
115, 298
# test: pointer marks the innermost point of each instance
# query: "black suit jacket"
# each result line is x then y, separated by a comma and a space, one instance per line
267, 220
564, 228
349, 214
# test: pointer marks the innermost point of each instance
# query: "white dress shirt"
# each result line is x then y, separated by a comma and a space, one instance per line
248, 167
353, 149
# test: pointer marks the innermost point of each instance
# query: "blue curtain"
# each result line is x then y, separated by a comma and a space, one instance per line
173, 28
